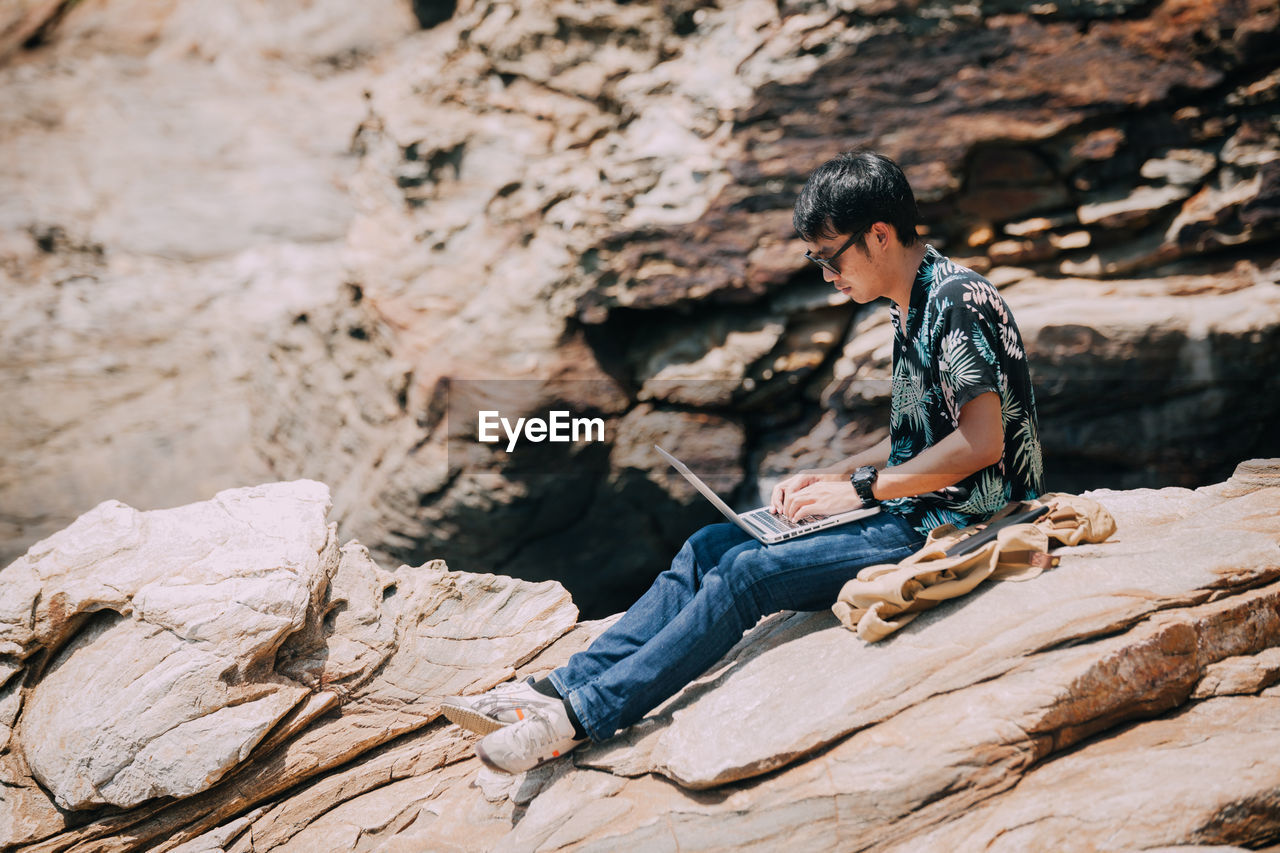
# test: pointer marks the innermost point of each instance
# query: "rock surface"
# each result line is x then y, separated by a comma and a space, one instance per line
301, 241
173, 185
149, 654
1064, 712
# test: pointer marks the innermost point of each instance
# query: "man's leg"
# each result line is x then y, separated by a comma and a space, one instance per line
670, 592
749, 581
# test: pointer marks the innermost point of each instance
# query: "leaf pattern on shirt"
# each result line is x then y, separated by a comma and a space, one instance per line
903, 447
938, 517
957, 367
1010, 411
990, 494
980, 293
945, 269
960, 340
909, 402
1009, 337
1029, 457
983, 346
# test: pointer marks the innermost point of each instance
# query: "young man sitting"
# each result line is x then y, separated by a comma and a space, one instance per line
962, 413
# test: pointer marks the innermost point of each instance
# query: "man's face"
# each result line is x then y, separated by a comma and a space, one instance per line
856, 275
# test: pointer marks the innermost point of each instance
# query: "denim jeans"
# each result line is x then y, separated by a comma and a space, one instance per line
719, 585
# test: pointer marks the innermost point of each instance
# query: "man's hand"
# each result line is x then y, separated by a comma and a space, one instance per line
823, 497
793, 484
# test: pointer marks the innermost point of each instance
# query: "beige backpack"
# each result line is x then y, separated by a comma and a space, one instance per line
881, 599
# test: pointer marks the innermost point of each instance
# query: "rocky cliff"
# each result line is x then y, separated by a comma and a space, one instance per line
225, 676
241, 243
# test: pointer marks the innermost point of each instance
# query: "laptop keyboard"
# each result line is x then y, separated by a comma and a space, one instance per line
779, 523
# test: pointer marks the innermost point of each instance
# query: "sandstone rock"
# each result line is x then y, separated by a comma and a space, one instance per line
1254, 144
1130, 208
1000, 202
1218, 216
216, 840
903, 775
1072, 240
231, 639
198, 613
951, 734
1098, 145
1183, 166
1240, 675
707, 373
1021, 251
115, 557
98, 732
980, 236
394, 796
365, 215
1123, 260
397, 780
1248, 476
1002, 277
203, 156
1037, 225
28, 22
1064, 803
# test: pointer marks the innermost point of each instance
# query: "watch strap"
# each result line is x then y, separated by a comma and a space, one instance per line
864, 480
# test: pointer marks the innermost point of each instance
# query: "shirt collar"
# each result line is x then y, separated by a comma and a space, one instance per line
920, 290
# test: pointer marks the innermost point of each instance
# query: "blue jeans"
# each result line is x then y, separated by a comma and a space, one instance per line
718, 587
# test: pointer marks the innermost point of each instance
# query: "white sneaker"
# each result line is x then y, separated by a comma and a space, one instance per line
505, 704
544, 734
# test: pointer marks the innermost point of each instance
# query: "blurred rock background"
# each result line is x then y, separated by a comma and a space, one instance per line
243, 241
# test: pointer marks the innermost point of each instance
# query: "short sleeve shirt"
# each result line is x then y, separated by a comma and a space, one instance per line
961, 341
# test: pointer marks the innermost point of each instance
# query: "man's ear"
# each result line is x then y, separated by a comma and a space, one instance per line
880, 233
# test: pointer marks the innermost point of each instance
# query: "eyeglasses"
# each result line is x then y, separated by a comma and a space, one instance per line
828, 263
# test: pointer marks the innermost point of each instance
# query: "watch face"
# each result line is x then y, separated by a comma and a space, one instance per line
863, 479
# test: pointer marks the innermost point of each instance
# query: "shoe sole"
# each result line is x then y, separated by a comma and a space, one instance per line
489, 762
471, 720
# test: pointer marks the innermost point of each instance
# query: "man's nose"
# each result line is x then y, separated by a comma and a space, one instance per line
829, 277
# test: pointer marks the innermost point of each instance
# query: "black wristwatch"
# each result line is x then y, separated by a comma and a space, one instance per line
864, 481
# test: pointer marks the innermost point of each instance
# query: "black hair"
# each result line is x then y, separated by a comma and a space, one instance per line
849, 194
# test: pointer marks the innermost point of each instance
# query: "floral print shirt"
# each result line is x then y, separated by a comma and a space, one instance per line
961, 341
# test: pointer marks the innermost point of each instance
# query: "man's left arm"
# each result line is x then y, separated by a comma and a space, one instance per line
976, 442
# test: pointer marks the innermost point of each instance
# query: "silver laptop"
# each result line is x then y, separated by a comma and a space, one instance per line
762, 523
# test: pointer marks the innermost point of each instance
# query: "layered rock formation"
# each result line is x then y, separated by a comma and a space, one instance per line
147, 655
311, 241
225, 677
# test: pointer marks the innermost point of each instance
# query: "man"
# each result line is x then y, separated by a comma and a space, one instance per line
962, 413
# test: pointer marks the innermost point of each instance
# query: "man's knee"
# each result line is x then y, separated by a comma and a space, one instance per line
747, 579
722, 532
712, 543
